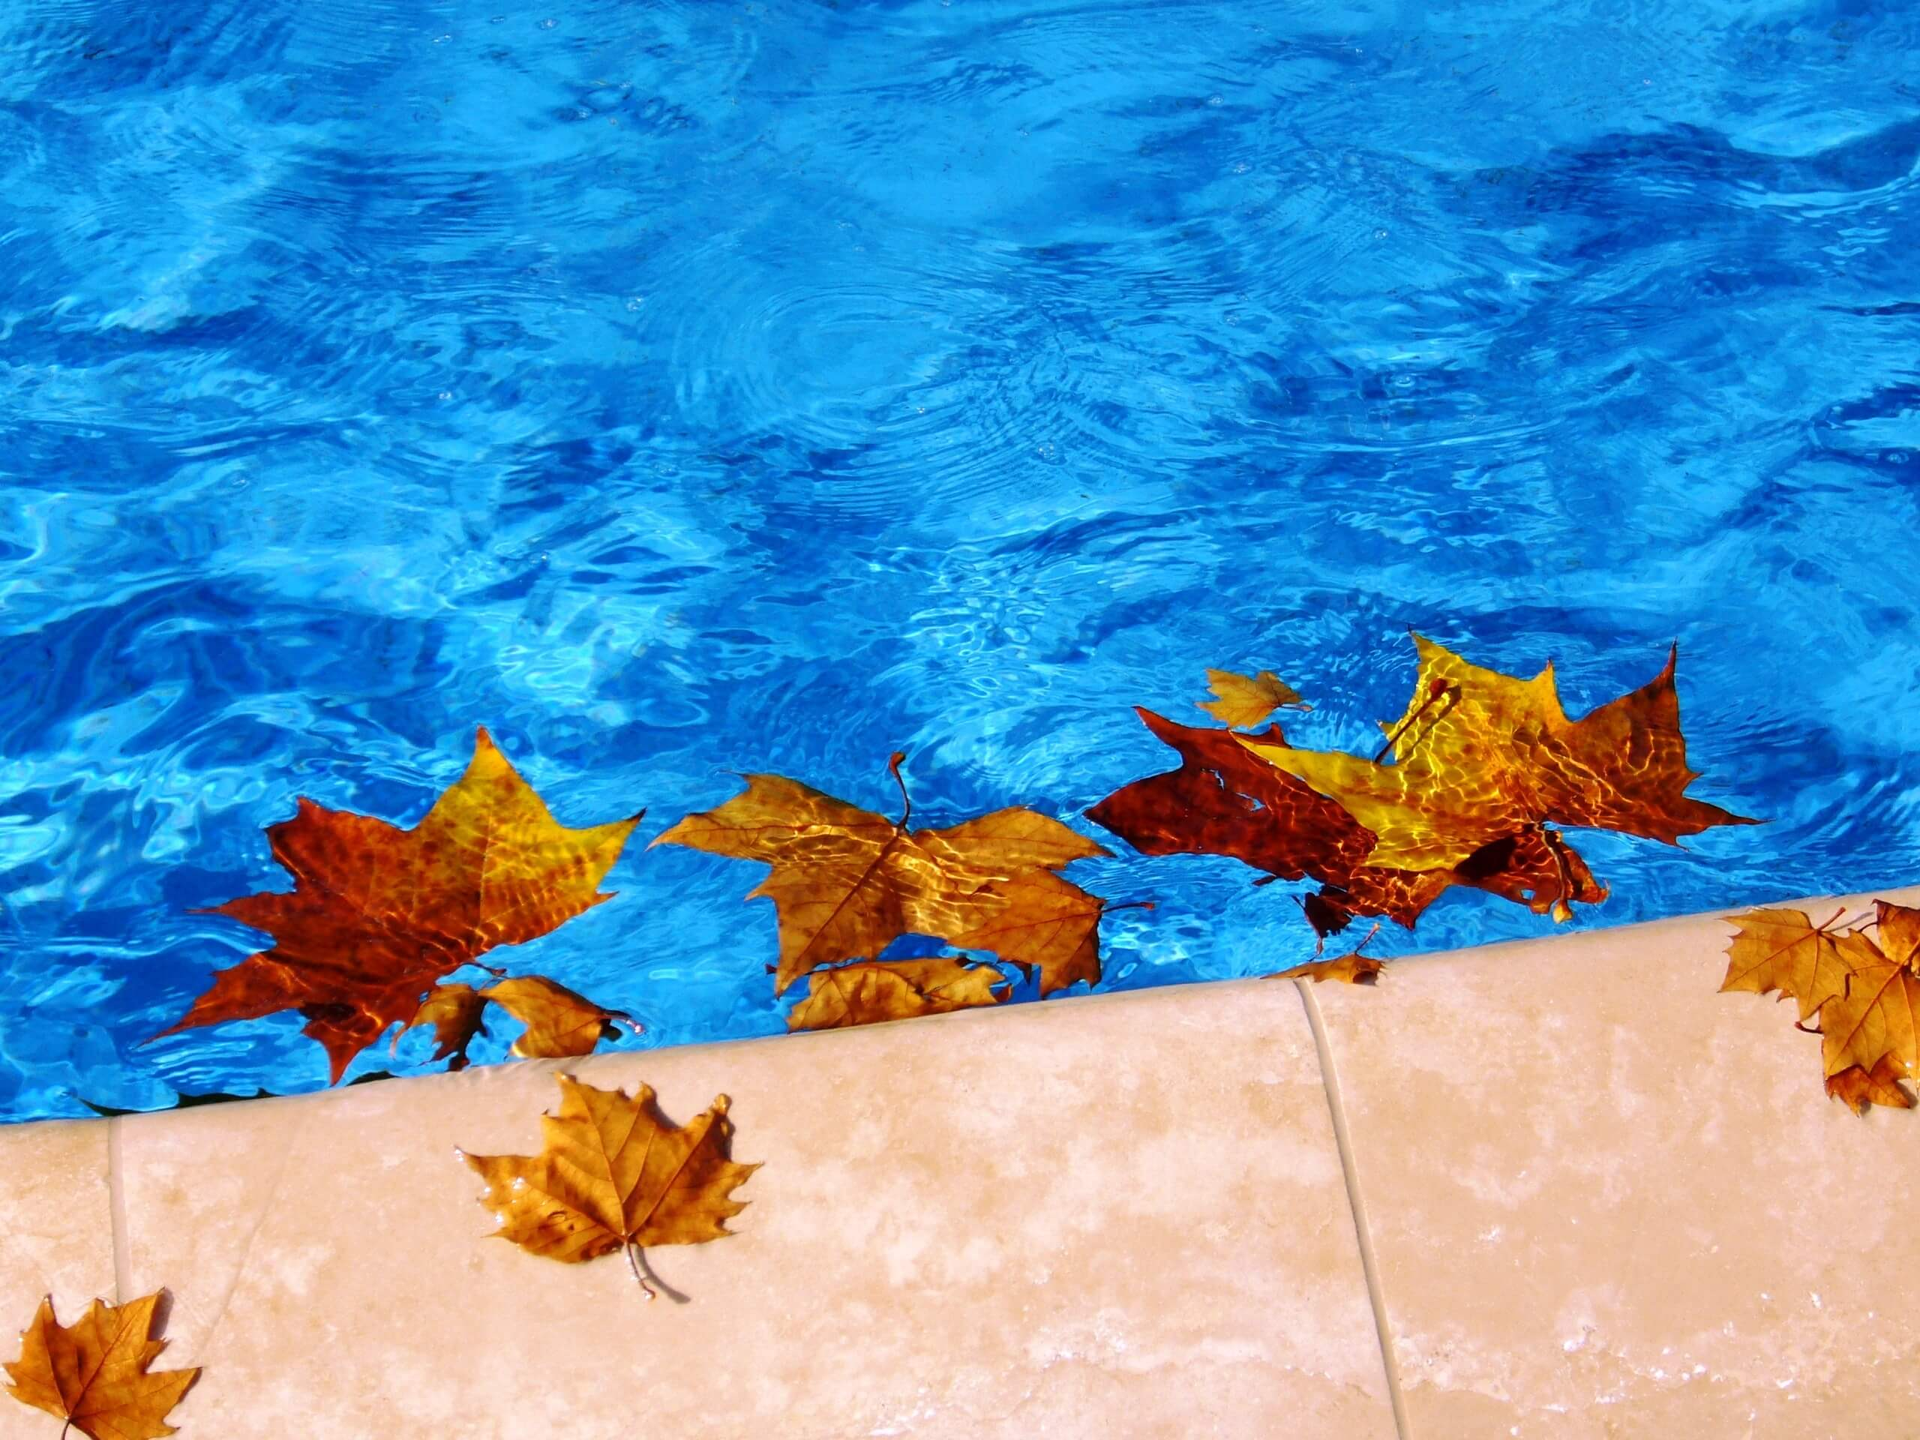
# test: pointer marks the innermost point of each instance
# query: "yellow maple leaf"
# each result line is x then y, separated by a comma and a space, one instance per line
1246, 700
1480, 756
871, 991
614, 1175
847, 882
1784, 950
93, 1374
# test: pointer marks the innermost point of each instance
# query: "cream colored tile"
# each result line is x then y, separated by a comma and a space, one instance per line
56, 1238
1606, 1200
1106, 1218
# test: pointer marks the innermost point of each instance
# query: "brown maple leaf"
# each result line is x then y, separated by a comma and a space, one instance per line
614, 1175
1783, 950
847, 882
1223, 800
1246, 700
1874, 1024
871, 991
457, 1014
378, 914
1480, 756
1879, 1086
93, 1374
1866, 995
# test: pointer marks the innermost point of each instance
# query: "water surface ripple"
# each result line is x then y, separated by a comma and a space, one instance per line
685, 388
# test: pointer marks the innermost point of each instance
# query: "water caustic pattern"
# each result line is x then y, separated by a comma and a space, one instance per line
680, 389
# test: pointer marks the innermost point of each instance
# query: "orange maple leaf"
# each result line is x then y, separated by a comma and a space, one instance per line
847, 882
1480, 756
93, 1374
378, 914
614, 1175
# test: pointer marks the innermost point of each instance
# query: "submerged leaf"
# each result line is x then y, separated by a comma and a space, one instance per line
874, 990
1480, 756
93, 1374
457, 1014
614, 1175
378, 914
559, 1022
1245, 700
1223, 800
846, 882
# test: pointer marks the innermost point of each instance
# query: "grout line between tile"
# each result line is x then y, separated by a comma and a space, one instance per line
117, 1214
1369, 1266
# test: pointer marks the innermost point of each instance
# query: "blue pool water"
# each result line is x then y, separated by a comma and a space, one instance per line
687, 388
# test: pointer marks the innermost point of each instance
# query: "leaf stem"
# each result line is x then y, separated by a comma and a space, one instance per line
1438, 691
894, 762
633, 1264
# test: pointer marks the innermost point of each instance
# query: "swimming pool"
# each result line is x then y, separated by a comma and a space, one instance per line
680, 390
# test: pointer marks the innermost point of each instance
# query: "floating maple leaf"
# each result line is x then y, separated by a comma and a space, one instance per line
1867, 995
93, 1374
846, 882
874, 990
378, 914
1223, 800
1246, 700
559, 1023
1480, 756
614, 1175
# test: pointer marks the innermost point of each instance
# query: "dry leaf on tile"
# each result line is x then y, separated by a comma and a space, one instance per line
378, 914
1865, 991
870, 991
93, 1374
847, 882
614, 1175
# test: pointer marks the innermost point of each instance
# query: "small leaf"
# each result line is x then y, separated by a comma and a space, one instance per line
559, 1022
1245, 701
1879, 1086
456, 1013
1354, 969
875, 990
94, 1373
614, 1175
